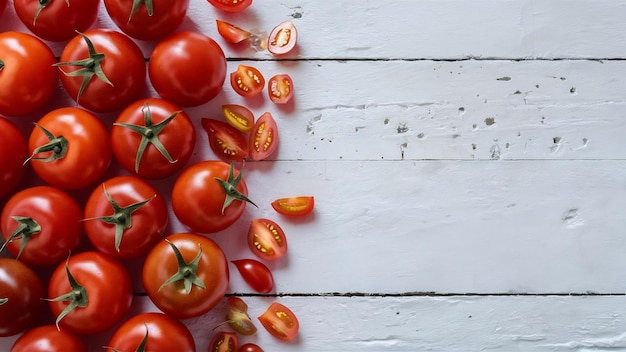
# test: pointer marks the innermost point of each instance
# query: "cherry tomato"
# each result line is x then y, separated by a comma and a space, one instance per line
207, 197
280, 89
21, 293
161, 333
3, 5
266, 239
238, 317
264, 137
153, 138
280, 322
70, 148
232, 33
227, 142
27, 77
282, 38
239, 117
185, 275
250, 347
147, 20
247, 81
294, 206
224, 341
11, 164
56, 20
231, 5
125, 217
187, 68
41, 225
256, 274
48, 338
105, 70
90, 293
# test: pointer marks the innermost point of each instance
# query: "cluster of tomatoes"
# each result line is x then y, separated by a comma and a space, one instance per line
70, 149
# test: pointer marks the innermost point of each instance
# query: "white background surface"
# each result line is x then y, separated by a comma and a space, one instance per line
468, 166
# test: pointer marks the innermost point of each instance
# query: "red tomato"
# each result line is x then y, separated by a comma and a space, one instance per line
238, 317
224, 341
266, 239
239, 117
57, 20
27, 77
280, 89
232, 33
256, 274
207, 196
187, 68
282, 38
127, 216
21, 294
280, 322
3, 5
147, 20
48, 338
11, 164
231, 5
264, 137
36, 230
187, 281
250, 347
71, 148
160, 135
247, 81
106, 70
294, 206
97, 298
161, 333
227, 142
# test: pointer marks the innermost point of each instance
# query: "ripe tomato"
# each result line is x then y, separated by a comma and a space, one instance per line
256, 274
187, 68
126, 217
57, 20
21, 294
161, 333
48, 338
34, 228
90, 293
266, 239
106, 72
185, 275
239, 117
27, 77
250, 347
207, 196
153, 138
264, 137
224, 341
280, 89
231, 5
71, 148
11, 164
232, 33
3, 5
282, 38
280, 322
247, 81
147, 20
227, 142
294, 206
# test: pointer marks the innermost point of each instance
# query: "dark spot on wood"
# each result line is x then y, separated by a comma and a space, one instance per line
505, 78
490, 121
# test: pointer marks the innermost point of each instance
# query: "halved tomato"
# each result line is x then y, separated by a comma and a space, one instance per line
232, 33
282, 38
231, 5
224, 341
239, 117
227, 142
280, 322
247, 81
280, 89
294, 206
264, 137
266, 239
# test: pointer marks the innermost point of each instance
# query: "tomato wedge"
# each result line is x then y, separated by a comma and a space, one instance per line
282, 38
232, 33
247, 81
266, 239
227, 142
255, 274
264, 137
231, 5
280, 322
239, 117
224, 341
280, 89
294, 206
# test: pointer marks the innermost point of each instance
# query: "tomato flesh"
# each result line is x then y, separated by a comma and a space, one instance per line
282, 38
280, 322
247, 81
231, 5
239, 117
266, 239
280, 89
264, 137
224, 342
232, 33
227, 142
294, 206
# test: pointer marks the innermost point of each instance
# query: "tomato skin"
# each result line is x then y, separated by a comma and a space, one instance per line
247, 81
24, 291
57, 21
266, 239
108, 286
280, 322
48, 338
282, 38
3, 5
224, 341
227, 142
61, 231
148, 221
280, 89
11, 164
28, 79
250, 347
187, 68
232, 33
165, 334
256, 274
167, 16
88, 153
263, 138
231, 5
239, 117
161, 264
294, 206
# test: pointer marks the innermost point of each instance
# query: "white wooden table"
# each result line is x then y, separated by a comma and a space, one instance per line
468, 164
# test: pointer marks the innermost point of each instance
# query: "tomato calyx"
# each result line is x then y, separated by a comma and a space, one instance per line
186, 271
137, 4
3, 301
58, 145
42, 5
238, 318
230, 188
77, 297
27, 227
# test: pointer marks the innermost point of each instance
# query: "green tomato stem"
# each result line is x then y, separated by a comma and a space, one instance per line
26, 228
186, 271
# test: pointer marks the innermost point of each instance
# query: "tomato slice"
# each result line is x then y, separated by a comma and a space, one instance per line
266, 239
264, 137
238, 317
231, 5
247, 81
227, 142
282, 38
256, 274
280, 89
224, 342
280, 322
239, 117
232, 33
294, 206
